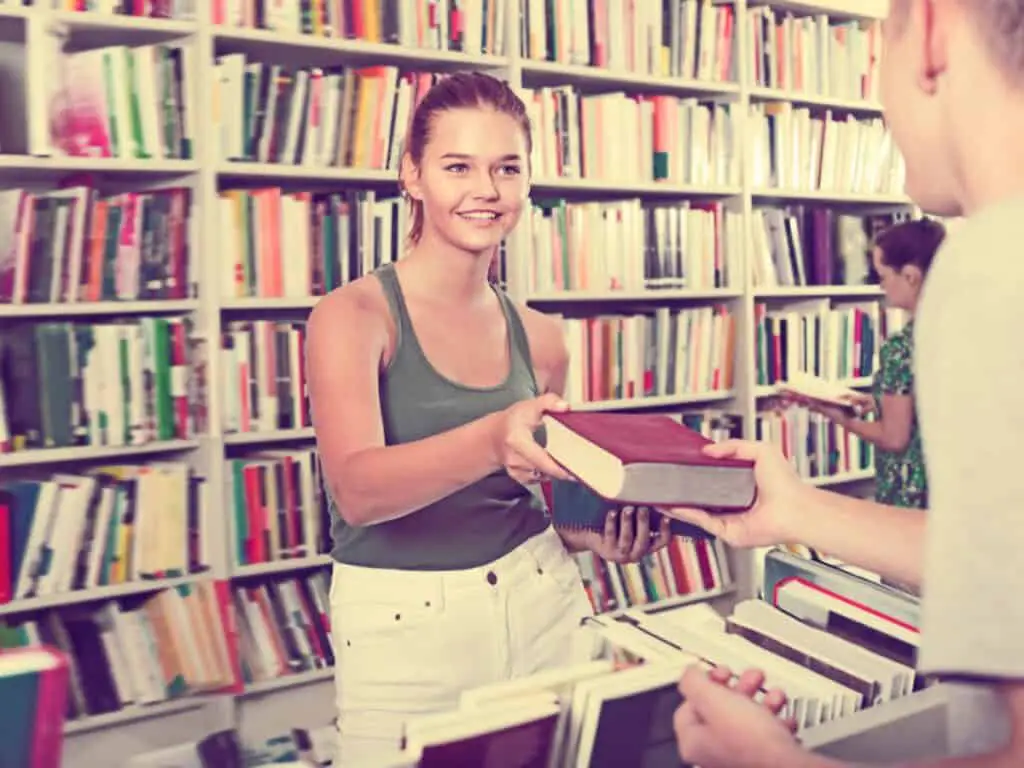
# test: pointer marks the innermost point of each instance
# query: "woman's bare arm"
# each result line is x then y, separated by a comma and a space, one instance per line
884, 539
892, 430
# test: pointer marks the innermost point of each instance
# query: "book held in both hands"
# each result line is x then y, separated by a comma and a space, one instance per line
647, 460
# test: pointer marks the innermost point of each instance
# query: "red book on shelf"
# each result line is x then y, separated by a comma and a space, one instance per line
648, 460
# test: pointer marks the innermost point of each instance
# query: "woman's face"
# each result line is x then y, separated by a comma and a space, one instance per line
472, 179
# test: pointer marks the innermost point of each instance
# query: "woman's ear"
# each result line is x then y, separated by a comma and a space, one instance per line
913, 275
410, 178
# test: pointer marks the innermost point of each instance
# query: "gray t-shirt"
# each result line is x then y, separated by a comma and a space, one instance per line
969, 362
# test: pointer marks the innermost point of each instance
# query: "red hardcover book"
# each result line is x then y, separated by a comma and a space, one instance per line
647, 459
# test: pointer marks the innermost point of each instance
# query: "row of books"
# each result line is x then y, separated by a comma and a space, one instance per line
667, 352
796, 150
137, 651
814, 54
331, 239
76, 244
629, 245
264, 376
343, 117
618, 709
833, 342
105, 526
118, 383
151, 9
278, 506
673, 140
126, 102
132, 382
206, 637
684, 568
692, 40
443, 25
814, 245
358, 118
277, 243
283, 625
815, 446
685, 39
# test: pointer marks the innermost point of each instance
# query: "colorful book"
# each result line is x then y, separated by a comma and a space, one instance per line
575, 506
33, 687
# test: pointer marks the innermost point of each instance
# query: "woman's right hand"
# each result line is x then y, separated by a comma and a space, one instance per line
522, 456
863, 402
782, 498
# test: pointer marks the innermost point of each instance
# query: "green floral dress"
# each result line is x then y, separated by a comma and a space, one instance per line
900, 478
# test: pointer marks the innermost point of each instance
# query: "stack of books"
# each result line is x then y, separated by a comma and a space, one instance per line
839, 645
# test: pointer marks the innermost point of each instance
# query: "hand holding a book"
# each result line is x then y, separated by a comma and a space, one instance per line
627, 536
774, 516
863, 402
523, 457
831, 412
719, 725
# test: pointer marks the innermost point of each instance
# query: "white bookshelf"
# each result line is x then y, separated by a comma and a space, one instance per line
28, 31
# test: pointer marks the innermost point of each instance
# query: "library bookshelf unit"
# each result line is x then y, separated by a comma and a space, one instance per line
668, 245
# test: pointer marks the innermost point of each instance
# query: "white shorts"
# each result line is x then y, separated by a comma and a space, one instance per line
409, 642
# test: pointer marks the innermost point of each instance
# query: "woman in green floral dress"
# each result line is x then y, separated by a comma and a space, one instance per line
902, 256
887, 419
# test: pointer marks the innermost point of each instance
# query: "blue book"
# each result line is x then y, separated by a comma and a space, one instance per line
575, 506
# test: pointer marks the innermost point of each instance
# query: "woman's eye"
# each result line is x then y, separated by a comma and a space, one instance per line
510, 170
457, 168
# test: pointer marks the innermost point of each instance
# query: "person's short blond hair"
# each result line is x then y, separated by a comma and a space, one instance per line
1001, 23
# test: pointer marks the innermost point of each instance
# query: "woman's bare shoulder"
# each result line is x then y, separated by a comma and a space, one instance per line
357, 309
546, 337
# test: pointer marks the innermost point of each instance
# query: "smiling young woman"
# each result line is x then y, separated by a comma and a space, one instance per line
426, 384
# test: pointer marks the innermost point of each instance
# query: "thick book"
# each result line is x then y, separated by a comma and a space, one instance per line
647, 460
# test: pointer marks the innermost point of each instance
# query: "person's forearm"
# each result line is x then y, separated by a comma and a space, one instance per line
872, 432
886, 540
381, 484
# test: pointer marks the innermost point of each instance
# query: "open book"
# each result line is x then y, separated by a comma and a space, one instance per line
824, 391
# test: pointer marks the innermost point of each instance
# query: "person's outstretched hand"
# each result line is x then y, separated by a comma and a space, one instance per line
721, 726
781, 497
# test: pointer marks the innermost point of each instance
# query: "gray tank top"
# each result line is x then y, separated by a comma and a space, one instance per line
476, 524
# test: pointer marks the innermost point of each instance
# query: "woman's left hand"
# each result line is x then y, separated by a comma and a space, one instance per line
626, 538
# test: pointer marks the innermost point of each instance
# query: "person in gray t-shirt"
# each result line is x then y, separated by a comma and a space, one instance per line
952, 82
